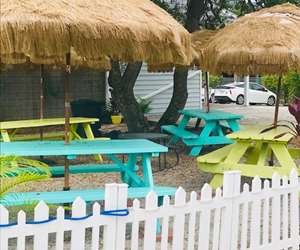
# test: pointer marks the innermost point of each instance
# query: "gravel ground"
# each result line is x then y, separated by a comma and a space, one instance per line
185, 174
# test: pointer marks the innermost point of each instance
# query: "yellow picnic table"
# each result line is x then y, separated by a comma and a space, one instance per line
251, 154
9, 129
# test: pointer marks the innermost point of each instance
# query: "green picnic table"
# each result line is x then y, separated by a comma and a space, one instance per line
212, 132
251, 154
9, 129
138, 152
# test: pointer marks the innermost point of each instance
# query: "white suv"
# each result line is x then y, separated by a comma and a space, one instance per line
234, 92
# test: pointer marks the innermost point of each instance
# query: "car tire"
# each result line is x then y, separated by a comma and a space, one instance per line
240, 100
271, 101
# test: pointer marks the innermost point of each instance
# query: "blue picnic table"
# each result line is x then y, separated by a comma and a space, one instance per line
212, 133
139, 153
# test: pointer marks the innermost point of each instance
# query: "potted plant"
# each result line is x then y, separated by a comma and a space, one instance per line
115, 114
293, 128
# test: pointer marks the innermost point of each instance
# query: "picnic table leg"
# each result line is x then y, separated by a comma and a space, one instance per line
234, 125
205, 133
89, 134
147, 170
234, 156
74, 134
5, 135
182, 124
131, 164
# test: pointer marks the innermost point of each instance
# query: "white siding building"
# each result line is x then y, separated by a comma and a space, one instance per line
158, 87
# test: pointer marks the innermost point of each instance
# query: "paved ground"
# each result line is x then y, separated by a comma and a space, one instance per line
255, 114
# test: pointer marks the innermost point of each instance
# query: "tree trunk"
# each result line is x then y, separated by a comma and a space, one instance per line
179, 97
196, 8
123, 95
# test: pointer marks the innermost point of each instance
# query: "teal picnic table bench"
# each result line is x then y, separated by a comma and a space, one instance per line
212, 133
138, 152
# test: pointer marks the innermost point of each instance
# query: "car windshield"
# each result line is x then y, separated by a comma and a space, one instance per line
224, 87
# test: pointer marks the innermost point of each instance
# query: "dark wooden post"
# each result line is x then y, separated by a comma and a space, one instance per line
67, 118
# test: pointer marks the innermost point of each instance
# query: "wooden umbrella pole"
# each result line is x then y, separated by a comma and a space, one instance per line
67, 118
276, 113
41, 97
277, 100
207, 91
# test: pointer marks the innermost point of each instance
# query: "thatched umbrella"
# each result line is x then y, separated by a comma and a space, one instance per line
263, 42
200, 40
46, 32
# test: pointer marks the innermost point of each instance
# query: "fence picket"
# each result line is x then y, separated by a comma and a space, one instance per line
255, 214
21, 236
4, 219
179, 219
78, 232
60, 214
192, 222
217, 221
245, 218
266, 213
204, 230
275, 234
294, 210
41, 213
135, 227
223, 221
121, 229
165, 225
96, 228
150, 222
111, 203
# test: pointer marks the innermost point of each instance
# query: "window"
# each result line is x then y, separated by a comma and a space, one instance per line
257, 87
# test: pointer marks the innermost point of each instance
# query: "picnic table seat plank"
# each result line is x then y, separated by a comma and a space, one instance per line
58, 171
89, 195
185, 134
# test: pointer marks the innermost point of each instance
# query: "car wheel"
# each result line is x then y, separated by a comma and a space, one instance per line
271, 101
240, 100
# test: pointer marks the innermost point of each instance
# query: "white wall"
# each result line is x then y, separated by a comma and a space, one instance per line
148, 83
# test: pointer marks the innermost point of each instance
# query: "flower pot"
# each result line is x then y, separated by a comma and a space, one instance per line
116, 119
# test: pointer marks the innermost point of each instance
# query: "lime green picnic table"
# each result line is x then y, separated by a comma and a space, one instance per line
9, 129
251, 154
212, 132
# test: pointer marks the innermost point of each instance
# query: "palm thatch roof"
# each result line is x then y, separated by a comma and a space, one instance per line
264, 42
127, 30
200, 40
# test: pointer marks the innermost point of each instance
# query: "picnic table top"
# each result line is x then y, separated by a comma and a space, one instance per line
279, 134
211, 116
81, 147
44, 122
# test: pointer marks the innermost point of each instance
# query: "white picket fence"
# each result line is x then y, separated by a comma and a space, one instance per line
267, 217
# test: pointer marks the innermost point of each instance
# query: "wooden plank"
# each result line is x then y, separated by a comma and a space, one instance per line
215, 156
283, 156
210, 140
213, 115
81, 147
60, 197
85, 168
254, 134
181, 133
44, 122
246, 169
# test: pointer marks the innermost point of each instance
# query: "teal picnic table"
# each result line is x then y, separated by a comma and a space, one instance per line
212, 132
138, 152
